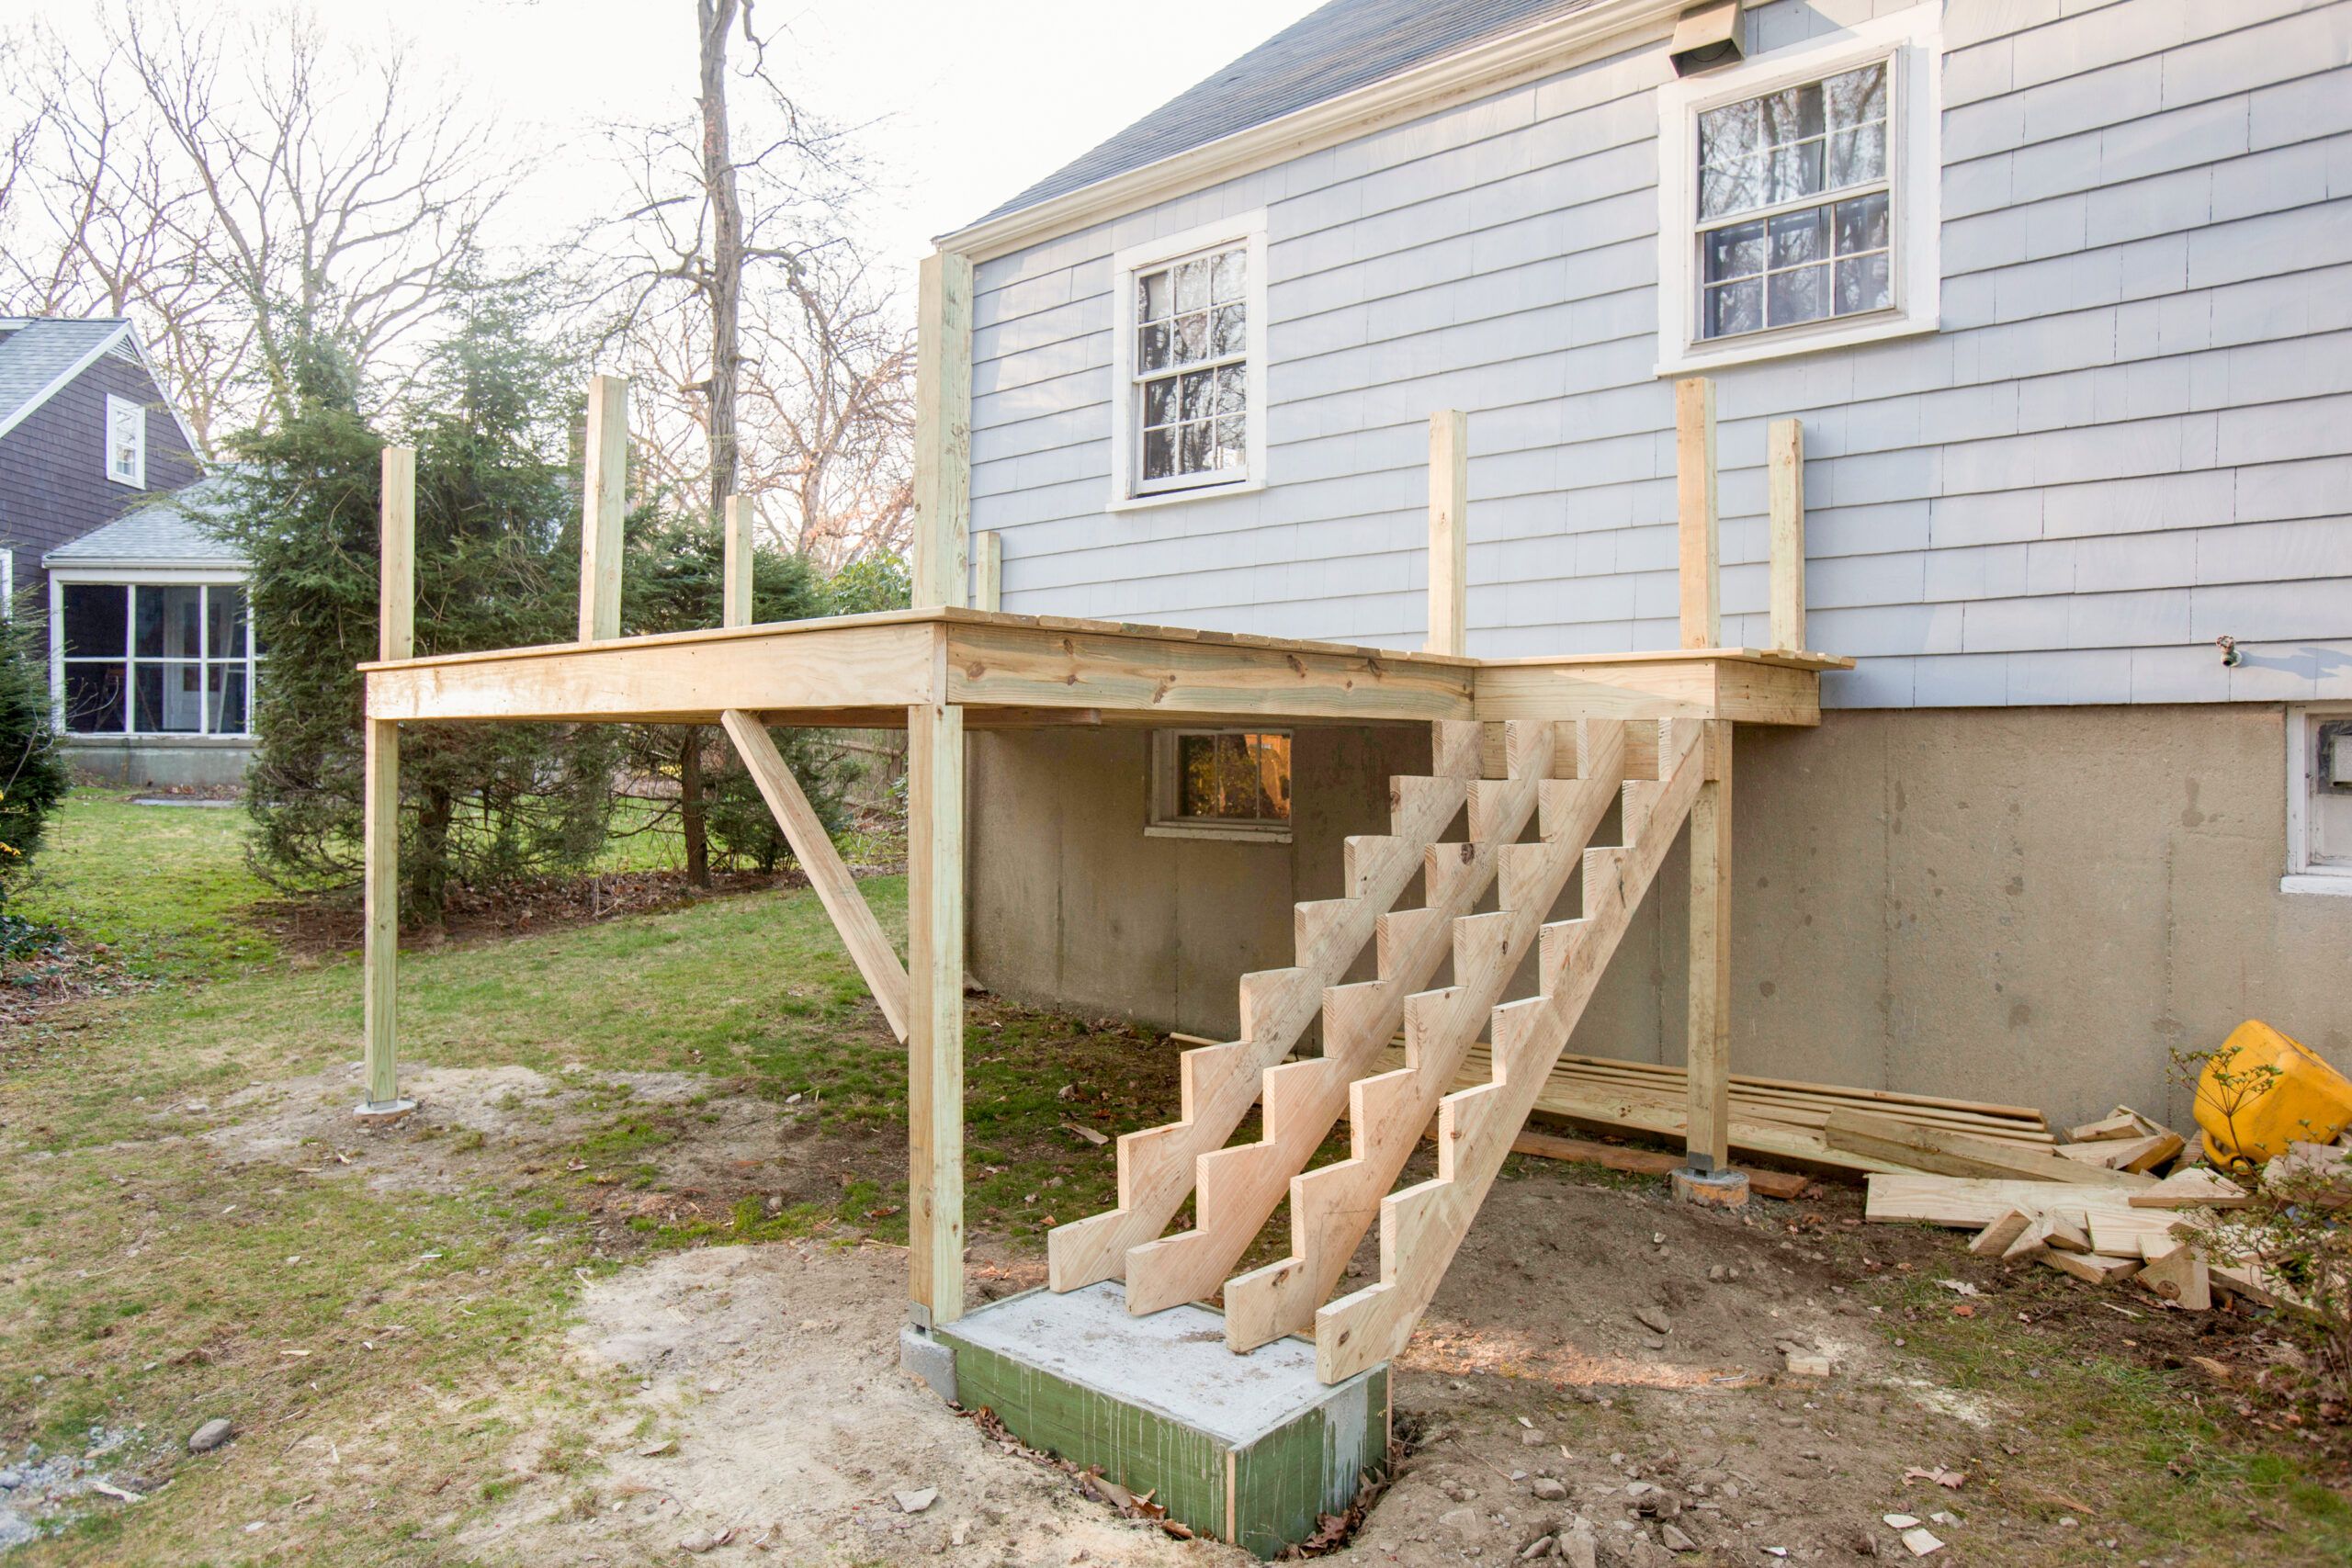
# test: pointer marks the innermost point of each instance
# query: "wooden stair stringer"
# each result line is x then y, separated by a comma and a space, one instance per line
1332, 1206
1238, 1186
1221, 1082
1421, 1227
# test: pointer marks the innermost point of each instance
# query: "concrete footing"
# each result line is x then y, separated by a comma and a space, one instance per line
1717, 1189
1248, 1448
922, 1354
383, 1111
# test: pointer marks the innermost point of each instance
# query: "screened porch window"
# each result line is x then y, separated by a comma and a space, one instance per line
156, 658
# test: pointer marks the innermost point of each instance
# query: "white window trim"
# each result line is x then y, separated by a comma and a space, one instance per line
123, 408
2302, 877
1162, 822
1912, 45
139, 576
1248, 229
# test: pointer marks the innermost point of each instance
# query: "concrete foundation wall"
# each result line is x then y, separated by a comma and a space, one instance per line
138, 763
2030, 904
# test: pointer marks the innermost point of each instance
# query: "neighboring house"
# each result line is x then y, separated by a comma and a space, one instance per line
2062, 295
151, 661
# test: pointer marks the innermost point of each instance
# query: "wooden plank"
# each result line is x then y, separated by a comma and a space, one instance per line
396, 557
735, 594
1901, 1102
2196, 1187
1798, 1109
1707, 685
871, 951
987, 570
1700, 551
1781, 1184
1707, 1042
942, 476
2177, 1274
2092, 1267
1995, 1239
2125, 1154
1960, 1154
935, 1031
380, 814
604, 500
1970, 1202
1449, 532
1784, 491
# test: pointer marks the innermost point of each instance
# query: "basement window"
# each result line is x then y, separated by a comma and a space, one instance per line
1188, 371
1798, 208
2319, 800
1221, 783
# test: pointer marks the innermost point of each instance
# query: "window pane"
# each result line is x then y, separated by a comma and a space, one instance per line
1158, 454
1151, 348
1791, 114
171, 621
1192, 337
1857, 157
1160, 401
1193, 284
1862, 224
1234, 778
1155, 298
95, 620
1732, 187
167, 699
1802, 295
224, 699
1857, 95
94, 697
1801, 237
1232, 388
1862, 285
1198, 387
1794, 172
1734, 308
1734, 252
224, 623
1193, 450
1228, 334
1731, 132
1232, 446
1230, 272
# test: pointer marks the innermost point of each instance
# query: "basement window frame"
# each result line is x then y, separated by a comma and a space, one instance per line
1910, 45
1166, 819
2305, 872
1129, 490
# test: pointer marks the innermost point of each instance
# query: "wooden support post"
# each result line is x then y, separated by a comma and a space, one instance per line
942, 483
875, 959
1708, 1049
935, 1043
1784, 450
735, 596
1695, 472
987, 570
381, 792
602, 500
1449, 532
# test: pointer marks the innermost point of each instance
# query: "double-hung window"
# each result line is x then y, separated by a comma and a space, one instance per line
1799, 208
126, 442
1189, 365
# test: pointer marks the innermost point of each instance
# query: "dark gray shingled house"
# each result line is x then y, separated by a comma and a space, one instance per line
151, 653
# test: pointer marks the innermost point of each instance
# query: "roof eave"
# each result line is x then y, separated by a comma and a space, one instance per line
33, 405
1480, 68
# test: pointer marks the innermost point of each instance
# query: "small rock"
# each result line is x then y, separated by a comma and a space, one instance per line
961, 1533
1675, 1541
697, 1543
210, 1436
1576, 1547
1530, 1439
1656, 1320
1461, 1519
1898, 1521
1809, 1366
1540, 1547
10, 1480
1549, 1489
916, 1502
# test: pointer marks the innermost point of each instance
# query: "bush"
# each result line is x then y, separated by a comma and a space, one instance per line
33, 775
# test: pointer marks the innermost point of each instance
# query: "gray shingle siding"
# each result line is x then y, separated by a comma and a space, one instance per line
2133, 433
53, 484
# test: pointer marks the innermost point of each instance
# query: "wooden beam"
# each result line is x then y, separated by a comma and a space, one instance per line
380, 818
1449, 532
1707, 1043
1695, 472
396, 557
871, 951
988, 571
1784, 481
603, 492
935, 1035
1947, 1152
735, 596
942, 480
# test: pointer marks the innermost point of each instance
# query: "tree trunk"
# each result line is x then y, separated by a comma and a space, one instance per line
690, 810
725, 283
429, 893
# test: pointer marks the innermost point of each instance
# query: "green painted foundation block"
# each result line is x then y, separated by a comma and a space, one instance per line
1247, 1448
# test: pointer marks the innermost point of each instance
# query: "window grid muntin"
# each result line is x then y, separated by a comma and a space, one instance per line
1826, 200
1218, 373
204, 671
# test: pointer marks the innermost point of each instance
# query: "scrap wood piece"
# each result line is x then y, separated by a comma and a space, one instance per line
2120, 1122
1974, 1201
2177, 1274
1958, 1154
2199, 1186
2126, 1154
1645, 1162
2094, 1268
2323, 1173
1997, 1238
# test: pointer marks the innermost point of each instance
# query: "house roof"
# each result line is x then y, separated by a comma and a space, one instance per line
1332, 50
166, 531
39, 356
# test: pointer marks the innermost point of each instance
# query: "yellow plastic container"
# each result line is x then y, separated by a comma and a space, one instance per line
2308, 1101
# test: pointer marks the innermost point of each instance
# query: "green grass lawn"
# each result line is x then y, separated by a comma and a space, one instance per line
166, 886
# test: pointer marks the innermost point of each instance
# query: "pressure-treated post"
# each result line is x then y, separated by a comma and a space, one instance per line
1707, 1052
602, 500
735, 598
381, 791
1695, 472
987, 570
935, 983
1449, 532
942, 483
1784, 452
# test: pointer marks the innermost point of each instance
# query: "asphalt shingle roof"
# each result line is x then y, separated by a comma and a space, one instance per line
1333, 50
165, 529
38, 352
